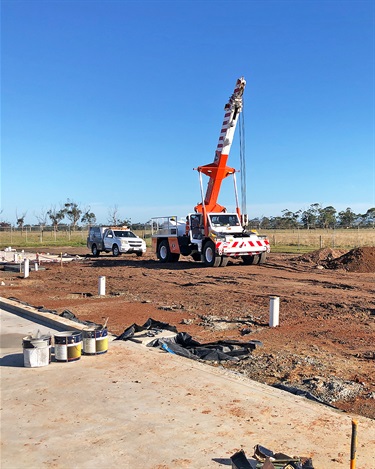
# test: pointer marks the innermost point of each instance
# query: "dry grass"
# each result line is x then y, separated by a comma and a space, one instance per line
304, 240
281, 240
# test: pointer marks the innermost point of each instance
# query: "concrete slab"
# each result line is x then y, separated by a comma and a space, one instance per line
14, 256
136, 407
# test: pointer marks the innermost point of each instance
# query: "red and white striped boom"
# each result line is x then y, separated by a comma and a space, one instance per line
218, 170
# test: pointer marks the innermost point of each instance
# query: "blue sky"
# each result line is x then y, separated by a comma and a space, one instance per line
113, 103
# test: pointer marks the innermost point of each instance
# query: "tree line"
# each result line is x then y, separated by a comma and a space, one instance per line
72, 215
316, 216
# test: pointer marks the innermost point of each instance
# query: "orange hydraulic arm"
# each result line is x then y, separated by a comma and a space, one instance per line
218, 170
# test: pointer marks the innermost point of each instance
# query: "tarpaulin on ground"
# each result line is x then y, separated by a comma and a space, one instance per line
264, 458
67, 314
183, 344
150, 325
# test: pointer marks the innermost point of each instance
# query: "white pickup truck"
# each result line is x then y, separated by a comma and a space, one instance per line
116, 239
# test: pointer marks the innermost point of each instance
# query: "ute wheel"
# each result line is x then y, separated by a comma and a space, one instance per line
250, 260
115, 250
164, 252
210, 258
95, 251
139, 254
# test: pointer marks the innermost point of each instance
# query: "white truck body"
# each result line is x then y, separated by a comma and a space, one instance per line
226, 239
117, 240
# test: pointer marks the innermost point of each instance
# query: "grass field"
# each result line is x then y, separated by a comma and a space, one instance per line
280, 240
307, 240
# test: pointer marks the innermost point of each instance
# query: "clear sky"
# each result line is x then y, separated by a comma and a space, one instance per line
113, 103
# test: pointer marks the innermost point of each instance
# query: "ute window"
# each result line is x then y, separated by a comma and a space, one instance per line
124, 234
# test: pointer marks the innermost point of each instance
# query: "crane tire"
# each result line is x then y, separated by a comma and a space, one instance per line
164, 253
174, 257
262, 258
251, 260
197, 256
210, 258
224, 261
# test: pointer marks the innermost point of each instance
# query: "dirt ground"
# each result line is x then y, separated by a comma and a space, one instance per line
324, 345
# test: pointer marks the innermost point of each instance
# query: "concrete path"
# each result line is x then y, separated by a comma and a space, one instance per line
136, 407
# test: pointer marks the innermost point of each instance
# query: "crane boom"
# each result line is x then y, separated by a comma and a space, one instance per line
218, 169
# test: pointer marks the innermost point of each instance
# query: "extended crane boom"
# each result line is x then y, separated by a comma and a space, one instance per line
218, 170
211, 234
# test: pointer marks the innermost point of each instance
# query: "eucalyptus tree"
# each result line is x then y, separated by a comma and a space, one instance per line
88, 217
72, 212
310, 216
347, 218
56, 216
327, 217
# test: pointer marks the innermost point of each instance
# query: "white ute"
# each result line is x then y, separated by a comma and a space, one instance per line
119, 240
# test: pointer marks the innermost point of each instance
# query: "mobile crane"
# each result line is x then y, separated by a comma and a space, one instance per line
210, 234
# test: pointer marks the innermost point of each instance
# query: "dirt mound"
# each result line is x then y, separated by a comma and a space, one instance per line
361, 260
322, 255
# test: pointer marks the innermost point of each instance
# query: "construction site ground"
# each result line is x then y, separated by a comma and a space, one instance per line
139, 407
324, 345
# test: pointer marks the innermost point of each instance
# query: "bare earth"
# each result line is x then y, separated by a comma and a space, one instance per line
325, 344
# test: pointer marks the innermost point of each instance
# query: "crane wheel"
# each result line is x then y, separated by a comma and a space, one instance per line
164, 253
262, 258
196, 256
224, 261
210, 258
250, 260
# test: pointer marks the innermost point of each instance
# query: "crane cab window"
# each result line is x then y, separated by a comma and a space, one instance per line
224, 220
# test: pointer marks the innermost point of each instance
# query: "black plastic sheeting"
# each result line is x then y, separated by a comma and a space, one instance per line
183, 344
301, 392
65, 314
264, 458
150, 325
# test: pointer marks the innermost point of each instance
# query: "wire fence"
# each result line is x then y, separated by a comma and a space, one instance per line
298, 239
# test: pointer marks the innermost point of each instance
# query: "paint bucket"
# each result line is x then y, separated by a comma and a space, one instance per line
36, 351
68, 346
95, 340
